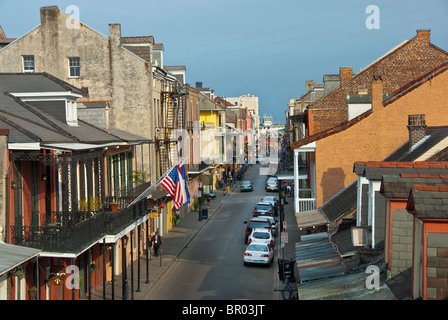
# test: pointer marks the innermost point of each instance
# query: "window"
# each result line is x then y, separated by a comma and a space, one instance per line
28, 63
74, 67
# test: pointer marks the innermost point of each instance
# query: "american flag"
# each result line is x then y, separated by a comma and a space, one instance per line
175, 183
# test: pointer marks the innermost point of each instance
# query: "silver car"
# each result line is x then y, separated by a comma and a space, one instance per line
259, 253
272, 184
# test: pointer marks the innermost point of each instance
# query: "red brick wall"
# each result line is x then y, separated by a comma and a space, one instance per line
378, 135
413, 59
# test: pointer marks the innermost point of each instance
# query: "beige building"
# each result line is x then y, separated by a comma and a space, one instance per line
100, 65
250, 102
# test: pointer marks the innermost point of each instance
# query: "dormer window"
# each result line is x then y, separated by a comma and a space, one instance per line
74, 67
71, 113
28, 64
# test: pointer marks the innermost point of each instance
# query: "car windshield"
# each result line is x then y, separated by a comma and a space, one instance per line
271, 180
257, 247
261, 235
259, 224
246, 183
262, 207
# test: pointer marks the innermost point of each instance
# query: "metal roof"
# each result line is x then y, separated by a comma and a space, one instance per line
317, 258
12, 256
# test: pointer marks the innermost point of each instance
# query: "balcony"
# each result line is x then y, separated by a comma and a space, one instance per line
73, 231
307, 202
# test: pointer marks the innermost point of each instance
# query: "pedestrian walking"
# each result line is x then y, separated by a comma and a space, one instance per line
156, 243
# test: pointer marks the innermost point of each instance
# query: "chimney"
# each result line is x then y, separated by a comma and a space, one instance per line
49, 15
345, 75
309, 85
424, 35
2, 33
115, 34
417, 128
377, 94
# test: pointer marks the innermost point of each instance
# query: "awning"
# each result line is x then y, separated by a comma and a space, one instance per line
312, 218
81, 146
12, 256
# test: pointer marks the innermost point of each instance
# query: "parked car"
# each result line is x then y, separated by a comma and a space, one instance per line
274, 225
273, 201
258, 253
246, 186
263, 208
262, 235
256, 223
271, 184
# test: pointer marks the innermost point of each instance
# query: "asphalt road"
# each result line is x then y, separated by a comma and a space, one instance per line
211, 267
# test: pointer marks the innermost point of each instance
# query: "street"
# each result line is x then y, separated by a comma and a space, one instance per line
211, 266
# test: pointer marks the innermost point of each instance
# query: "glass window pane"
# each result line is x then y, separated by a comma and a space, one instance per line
28, 63
74, 67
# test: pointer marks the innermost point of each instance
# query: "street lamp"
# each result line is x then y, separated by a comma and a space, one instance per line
124, 242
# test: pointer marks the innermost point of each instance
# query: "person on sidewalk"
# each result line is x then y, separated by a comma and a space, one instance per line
156, 243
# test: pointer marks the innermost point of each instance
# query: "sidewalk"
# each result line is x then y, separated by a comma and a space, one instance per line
294, 236
173, 243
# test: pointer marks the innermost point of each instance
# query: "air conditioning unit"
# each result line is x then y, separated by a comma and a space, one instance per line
361, 236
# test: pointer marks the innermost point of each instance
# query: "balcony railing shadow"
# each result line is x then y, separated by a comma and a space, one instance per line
73, 231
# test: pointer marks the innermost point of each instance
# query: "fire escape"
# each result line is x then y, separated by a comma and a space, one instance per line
173, 117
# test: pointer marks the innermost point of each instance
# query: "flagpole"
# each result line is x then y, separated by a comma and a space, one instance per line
156, 184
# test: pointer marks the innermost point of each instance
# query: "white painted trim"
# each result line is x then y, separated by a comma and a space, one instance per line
26, 96
24, 146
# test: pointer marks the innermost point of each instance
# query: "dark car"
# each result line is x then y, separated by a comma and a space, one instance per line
263, 208
273, 201
256, 223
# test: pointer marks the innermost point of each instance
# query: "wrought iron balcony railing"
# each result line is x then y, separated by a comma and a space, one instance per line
71, 232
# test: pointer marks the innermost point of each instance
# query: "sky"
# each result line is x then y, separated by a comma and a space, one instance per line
258, 47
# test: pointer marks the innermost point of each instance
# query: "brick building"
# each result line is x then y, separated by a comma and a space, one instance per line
375, 134
406, 62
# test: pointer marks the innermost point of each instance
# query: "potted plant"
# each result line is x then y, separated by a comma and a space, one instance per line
114, 206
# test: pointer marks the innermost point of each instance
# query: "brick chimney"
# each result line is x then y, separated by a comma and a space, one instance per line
417, 128
424, 35
377, 94
309, 85
345, 75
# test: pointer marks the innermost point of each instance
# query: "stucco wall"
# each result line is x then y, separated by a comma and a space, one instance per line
108, 71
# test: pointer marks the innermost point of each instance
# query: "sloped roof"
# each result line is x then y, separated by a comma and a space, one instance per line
399, 186
429, 202
387, 99
28, 123
12, 256
374, 170
34, 82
